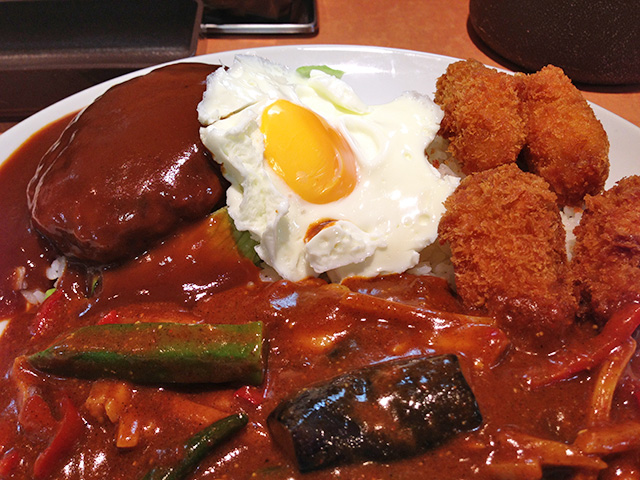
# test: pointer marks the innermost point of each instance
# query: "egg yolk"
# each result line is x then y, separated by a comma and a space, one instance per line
313, 158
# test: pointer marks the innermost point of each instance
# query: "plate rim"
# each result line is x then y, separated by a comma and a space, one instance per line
14, 137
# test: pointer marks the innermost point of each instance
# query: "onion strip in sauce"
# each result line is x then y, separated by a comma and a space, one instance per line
410, 313
446, 332
552, 453
610, 438
608, 376
536, 452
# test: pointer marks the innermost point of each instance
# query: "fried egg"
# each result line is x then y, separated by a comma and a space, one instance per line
323, 182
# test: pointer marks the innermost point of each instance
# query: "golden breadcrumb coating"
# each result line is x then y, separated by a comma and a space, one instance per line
566, 144
606, 256
508, 249
482, 117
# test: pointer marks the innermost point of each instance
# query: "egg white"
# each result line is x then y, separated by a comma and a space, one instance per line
381, 226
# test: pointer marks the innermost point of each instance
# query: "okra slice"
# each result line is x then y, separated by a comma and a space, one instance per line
159, 353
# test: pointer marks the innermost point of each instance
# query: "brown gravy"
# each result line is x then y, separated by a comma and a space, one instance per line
313, 332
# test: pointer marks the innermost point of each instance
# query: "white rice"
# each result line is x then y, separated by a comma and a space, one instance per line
35, 297
435, 260
570, 219
443, 160
54, 272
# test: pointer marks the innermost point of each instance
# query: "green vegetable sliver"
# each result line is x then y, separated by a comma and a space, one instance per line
159, 353
199, 446
306, 70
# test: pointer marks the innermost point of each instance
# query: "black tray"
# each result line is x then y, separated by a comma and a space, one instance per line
250, 17
50, 49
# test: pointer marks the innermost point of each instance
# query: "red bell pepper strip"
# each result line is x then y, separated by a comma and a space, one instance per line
69, 431
36, 416
9, 462
571, 361
109, 318
44, 315
253, 395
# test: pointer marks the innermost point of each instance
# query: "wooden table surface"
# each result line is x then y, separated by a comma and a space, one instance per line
434, 26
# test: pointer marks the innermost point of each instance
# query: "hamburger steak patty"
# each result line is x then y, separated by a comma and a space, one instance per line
128, 169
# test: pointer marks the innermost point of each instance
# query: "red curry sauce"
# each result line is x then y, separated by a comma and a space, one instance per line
69, 428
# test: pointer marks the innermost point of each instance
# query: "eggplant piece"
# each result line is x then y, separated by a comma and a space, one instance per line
383, 412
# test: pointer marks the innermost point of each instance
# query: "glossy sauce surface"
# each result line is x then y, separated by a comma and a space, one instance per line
19, 244
313, 330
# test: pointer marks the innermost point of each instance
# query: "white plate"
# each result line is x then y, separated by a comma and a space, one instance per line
377, 75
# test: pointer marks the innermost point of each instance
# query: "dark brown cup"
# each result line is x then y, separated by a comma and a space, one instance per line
594, 41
